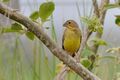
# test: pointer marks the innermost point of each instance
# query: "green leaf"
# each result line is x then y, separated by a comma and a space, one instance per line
16, 26
85, 62
34, 15
117, 20
110, 6
98, 41
46, 9
47, 27
5, 0
93, 24
8, 30
30, 35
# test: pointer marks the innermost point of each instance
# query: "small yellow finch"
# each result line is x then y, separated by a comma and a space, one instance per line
71, 38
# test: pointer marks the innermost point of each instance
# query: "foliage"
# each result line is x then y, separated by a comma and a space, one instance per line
45, 10
30, 35
110, 6
16, 26
113, 5
85, 62
93, 24
5, 0
34, 15
117, 20
97, 41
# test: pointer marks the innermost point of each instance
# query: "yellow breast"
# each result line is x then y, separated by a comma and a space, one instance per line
71, 41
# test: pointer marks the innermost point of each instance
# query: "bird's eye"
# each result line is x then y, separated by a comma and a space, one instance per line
69, 22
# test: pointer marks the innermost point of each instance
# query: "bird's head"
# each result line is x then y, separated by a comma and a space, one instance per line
70, 24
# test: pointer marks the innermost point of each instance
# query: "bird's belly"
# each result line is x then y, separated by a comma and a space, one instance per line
72, 44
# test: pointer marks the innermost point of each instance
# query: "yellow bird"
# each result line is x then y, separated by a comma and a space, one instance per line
71, 38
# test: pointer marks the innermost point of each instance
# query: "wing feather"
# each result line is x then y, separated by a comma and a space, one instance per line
63, 38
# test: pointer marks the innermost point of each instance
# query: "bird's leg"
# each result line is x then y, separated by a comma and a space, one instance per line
73, 55
77, 58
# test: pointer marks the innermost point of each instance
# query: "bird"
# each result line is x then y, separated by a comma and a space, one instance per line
72, 37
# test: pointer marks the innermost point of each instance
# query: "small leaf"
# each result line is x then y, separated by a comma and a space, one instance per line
34, 15
113, 50
99, 42
8, 30
30, 35
117, 20
110, 6
46, 9
100, 29
85, 62
47, 27
16, 26
117, 16
5, 0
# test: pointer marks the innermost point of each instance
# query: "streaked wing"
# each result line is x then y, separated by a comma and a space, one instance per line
63, 38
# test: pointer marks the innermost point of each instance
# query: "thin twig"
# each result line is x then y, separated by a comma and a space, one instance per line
62, 73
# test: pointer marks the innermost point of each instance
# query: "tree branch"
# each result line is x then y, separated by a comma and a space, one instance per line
96, 8
100, 13
58, 52
61, 75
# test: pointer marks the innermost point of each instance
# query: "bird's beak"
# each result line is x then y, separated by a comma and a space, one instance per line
64, 25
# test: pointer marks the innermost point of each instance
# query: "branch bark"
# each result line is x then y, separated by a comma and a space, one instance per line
39, 32
96, 8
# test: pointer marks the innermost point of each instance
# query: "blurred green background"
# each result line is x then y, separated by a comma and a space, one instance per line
25, 59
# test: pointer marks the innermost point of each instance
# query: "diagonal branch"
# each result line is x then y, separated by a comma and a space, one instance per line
58, 52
